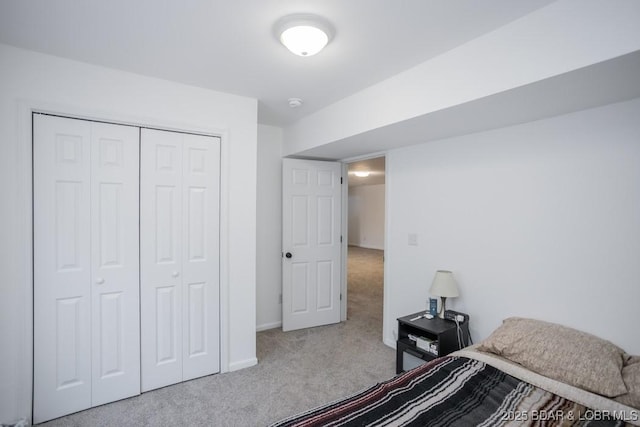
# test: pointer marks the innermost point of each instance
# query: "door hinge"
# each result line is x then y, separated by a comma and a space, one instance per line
340, 297
340, 239
340, 180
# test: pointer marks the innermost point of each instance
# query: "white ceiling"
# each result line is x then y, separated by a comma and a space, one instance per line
229, 45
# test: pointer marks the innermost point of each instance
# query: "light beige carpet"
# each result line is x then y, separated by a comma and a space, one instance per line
296, 370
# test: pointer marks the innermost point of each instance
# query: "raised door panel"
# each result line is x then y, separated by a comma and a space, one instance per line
200, 255
299, 222
300, 293
324, 278
115, 262
160, 258
166, 349
62, 267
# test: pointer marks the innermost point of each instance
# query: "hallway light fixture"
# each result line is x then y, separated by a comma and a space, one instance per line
361, 174
304, 34
295, 102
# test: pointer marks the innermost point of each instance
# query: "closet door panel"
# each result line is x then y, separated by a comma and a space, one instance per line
115, 262
200, 258
161, 263
62, 266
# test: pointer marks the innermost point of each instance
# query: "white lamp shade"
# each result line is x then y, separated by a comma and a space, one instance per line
444, 285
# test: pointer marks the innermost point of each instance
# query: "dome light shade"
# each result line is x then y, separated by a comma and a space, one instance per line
304, 35
304, 40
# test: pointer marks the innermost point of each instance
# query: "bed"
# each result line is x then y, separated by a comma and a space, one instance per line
527, 372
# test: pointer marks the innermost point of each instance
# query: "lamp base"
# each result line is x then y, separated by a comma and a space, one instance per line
442, 307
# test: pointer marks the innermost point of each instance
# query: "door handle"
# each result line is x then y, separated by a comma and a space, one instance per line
175, 274
99, 281
288, 255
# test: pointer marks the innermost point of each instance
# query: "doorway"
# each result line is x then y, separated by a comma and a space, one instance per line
366, 233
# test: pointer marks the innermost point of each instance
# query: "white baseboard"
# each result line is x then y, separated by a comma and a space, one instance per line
266, 326
236, 366
391, 344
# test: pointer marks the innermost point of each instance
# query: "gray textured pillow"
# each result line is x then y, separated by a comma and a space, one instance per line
564, 354
631, 377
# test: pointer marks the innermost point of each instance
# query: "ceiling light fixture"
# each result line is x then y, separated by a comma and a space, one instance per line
304, 34
295, 102
361, 174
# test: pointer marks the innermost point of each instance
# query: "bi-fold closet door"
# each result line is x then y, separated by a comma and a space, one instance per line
126, 261
86, 264
179, 257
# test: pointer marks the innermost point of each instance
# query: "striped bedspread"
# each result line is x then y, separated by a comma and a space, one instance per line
453, 391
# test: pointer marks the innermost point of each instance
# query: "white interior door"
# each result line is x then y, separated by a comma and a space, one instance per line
62, 267
115, 263
200, 256
311, 262
86, 348
160, 258
180, 257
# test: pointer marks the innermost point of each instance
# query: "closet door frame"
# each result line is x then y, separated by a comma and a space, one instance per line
25, 109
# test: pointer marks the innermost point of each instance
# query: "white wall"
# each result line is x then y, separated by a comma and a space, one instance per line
269, 239
366, 216
31, 80
537, 220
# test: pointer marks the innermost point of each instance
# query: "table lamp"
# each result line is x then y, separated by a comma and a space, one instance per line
444, 286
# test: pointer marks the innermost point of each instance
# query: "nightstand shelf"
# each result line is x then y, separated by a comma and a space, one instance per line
442, 334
